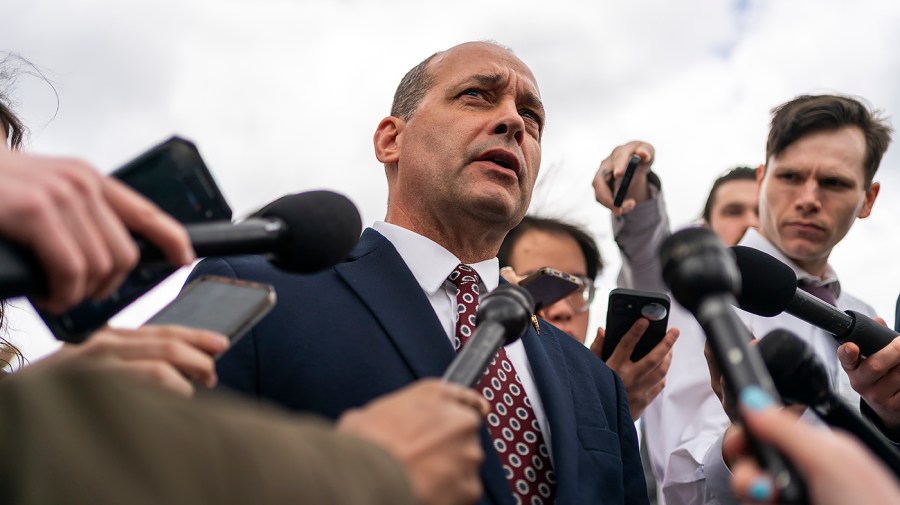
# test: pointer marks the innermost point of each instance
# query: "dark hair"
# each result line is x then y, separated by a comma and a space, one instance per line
812, 113
412, 89
14, 132
13, 129
735, 174
554, 226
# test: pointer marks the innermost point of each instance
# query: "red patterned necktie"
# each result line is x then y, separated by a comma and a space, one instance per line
511, 421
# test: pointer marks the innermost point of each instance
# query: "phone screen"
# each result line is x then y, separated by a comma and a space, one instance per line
221, 304
174, 176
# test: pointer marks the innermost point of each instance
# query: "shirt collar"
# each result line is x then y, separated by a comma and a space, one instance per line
429, 262
752, 238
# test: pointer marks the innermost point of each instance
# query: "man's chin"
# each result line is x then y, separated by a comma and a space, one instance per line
803, 250
498, 206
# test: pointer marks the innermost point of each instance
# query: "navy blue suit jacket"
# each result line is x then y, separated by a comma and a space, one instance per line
340, 338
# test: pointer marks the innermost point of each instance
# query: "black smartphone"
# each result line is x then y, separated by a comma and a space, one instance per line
174, 176
221, 304
633, 163
549, 286
625, 307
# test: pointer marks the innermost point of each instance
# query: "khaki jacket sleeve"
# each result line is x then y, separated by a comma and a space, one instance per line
75, 436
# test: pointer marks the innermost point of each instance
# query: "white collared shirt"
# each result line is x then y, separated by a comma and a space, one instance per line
431, 265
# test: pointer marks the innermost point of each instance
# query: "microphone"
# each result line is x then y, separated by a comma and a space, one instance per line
704, 279
502, 318
801, 378
303, 233
897, 315
770, 288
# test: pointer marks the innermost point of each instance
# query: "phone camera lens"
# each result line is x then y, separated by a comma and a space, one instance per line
654, 312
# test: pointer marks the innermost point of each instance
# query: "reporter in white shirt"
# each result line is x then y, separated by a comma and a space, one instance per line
822, 155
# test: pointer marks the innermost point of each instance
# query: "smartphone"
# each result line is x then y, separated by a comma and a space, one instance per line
174, 176
549, 286
221, 304
633, 163
625, 307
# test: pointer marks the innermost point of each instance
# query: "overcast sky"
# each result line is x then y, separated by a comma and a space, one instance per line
283, 96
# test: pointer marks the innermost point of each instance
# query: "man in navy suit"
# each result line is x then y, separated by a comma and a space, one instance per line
461, 151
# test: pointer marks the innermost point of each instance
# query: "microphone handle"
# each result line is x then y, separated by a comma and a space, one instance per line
836, 413
849, 326
20, 272
870, 335
224, 238
814, 311
472, 360
742, 367
22, 275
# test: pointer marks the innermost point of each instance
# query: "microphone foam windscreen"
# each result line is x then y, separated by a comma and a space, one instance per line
323, 227
798, 374
781, 349
767, 285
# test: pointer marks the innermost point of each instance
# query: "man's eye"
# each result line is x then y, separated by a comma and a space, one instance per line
473, 92
834, 183
788, 176
530, 114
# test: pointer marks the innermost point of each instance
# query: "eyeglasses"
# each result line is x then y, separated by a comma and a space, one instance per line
580, 300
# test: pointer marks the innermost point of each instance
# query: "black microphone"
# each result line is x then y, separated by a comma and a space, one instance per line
770, 288
703, 277
303, 233
502, 318
801, 378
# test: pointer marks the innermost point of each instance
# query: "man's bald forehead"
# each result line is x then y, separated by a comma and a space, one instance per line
488, 45
419, 79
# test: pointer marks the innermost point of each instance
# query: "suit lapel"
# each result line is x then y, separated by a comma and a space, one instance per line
383, 282
552, 379
378, 275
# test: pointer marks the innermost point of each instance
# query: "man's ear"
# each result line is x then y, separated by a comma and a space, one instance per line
760, 175
871, 195
387, 139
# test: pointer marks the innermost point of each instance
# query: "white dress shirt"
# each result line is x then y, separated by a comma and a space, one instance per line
431, 265
685, 423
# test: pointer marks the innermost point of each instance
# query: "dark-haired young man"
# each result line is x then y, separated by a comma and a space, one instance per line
821, 157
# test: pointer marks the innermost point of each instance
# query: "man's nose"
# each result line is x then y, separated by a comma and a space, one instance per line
509, 122
558, 312
808, 196
751, 219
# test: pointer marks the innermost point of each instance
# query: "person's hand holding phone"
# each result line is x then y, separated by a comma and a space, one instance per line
510, 275
612, 171
643, 379
172, 357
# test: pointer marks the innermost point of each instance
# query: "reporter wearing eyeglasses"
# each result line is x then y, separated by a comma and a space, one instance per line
541, 242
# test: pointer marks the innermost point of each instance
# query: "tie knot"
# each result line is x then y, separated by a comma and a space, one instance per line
464, 275
823, 292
